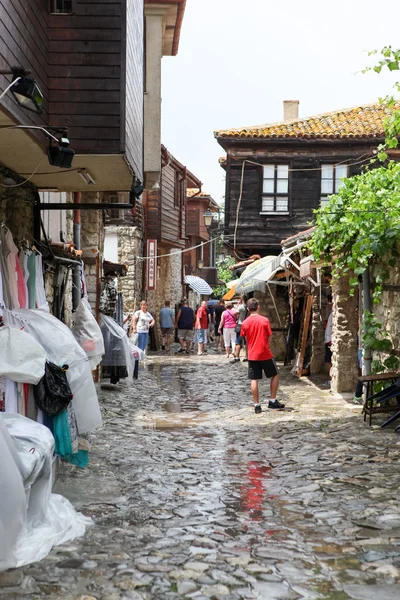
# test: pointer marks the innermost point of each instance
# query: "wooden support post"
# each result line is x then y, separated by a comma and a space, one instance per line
304, 337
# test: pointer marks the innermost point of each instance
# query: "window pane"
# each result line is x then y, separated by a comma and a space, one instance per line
324, 201
327, 171
268, 186
341, 172
269, 171
326, 186
268, 204
282, 186
283, 171
339, 184
282, 204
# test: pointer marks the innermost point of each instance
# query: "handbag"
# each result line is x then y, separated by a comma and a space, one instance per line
53, 394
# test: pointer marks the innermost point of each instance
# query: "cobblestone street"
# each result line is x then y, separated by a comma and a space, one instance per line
194, 496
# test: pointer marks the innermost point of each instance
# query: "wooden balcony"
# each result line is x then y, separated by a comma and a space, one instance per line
209, 274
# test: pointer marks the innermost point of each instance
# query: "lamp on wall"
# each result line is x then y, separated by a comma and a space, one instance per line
200, 263
208, 217
61, 155
221, 257
25, 90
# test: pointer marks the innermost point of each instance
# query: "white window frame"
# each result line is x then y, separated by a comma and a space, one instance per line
274, 194
57, 7
337, 182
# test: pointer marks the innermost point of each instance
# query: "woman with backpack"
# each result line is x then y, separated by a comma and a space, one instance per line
240, 341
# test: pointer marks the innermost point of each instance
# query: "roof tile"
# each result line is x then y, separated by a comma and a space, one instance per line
356, 122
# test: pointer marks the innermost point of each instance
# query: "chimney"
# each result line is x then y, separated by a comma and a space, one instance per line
290, 109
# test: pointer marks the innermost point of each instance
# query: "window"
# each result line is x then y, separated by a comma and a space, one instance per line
61, 6
275, 198
332, 180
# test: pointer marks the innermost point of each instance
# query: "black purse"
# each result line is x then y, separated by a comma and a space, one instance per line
52, 394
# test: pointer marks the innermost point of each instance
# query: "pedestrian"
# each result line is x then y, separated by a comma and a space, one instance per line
219, 309
240, 341
228, 325
141, 323
184, 324
257, 331
202, 323
167, 324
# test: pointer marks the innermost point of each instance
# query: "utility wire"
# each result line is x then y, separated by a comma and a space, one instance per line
26, 180
181, 251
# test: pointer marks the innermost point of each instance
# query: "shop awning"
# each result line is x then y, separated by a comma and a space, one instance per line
232, 283
229, 294
198, 285
251, 279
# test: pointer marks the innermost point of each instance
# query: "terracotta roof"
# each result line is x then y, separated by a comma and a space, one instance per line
357, 122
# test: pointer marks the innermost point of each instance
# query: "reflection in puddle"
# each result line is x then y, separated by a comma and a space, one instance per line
172, 380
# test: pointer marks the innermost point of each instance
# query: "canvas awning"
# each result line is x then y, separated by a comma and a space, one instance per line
198, 285
255, 275
229, 294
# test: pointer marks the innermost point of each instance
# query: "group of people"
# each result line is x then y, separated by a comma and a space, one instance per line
234, 327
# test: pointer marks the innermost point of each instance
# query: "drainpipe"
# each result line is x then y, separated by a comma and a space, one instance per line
76, 273
367, 308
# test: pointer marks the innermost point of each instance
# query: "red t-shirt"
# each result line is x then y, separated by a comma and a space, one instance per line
202, 314
257, 331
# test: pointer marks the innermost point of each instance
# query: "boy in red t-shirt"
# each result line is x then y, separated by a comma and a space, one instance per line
257, 331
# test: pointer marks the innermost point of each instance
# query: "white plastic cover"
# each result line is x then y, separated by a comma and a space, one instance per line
137, 353
32, 519
87, 332
62, 348
118, 351
22, 359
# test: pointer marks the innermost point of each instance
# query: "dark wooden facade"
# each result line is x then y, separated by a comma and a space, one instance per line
89, 65
258, 233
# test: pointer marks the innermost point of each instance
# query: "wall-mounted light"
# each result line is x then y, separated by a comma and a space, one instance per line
25, 90
60, 156
156, 186
86, 176
221, 257
208, 217
200, 263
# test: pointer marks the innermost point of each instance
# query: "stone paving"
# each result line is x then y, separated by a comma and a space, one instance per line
195, 496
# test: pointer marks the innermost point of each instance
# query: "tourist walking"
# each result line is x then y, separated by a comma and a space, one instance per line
219, 309
167, 324
202, 323
240, 341
141, 323
257, 331
184, 325
228, 325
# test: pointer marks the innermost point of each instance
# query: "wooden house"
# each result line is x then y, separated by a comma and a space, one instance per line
277, 174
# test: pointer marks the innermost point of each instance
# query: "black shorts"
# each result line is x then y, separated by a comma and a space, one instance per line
328, 353
256, 368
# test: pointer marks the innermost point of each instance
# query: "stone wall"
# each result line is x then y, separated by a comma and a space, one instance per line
388, 310
92, 241
317, 362
16, 205
344, 371
267, 309
130, 246
169, 283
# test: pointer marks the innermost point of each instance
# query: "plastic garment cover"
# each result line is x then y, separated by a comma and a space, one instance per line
62, 348
88, 333
118, 352
22, 359
32, 519
137, 353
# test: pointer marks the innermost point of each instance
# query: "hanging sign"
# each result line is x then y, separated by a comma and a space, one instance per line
151, 264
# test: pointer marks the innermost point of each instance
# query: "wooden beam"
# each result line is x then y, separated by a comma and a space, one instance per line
304, 337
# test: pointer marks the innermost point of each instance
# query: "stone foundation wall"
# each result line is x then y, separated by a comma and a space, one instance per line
317, 363
130, 246
92, 241
169, 284
344, 371
16, 205
267, 309
388, 310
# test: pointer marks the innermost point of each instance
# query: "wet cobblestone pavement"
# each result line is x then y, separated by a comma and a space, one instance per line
195, 496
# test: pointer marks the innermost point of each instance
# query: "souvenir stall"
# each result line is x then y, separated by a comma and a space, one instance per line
48, 404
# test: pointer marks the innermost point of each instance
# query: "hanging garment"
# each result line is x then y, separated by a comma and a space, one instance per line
41, 301
32, 280
2, 304
11, 397
21, 285
4, 252
12, 259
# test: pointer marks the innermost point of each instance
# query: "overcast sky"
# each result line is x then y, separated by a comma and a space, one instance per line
238, 60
